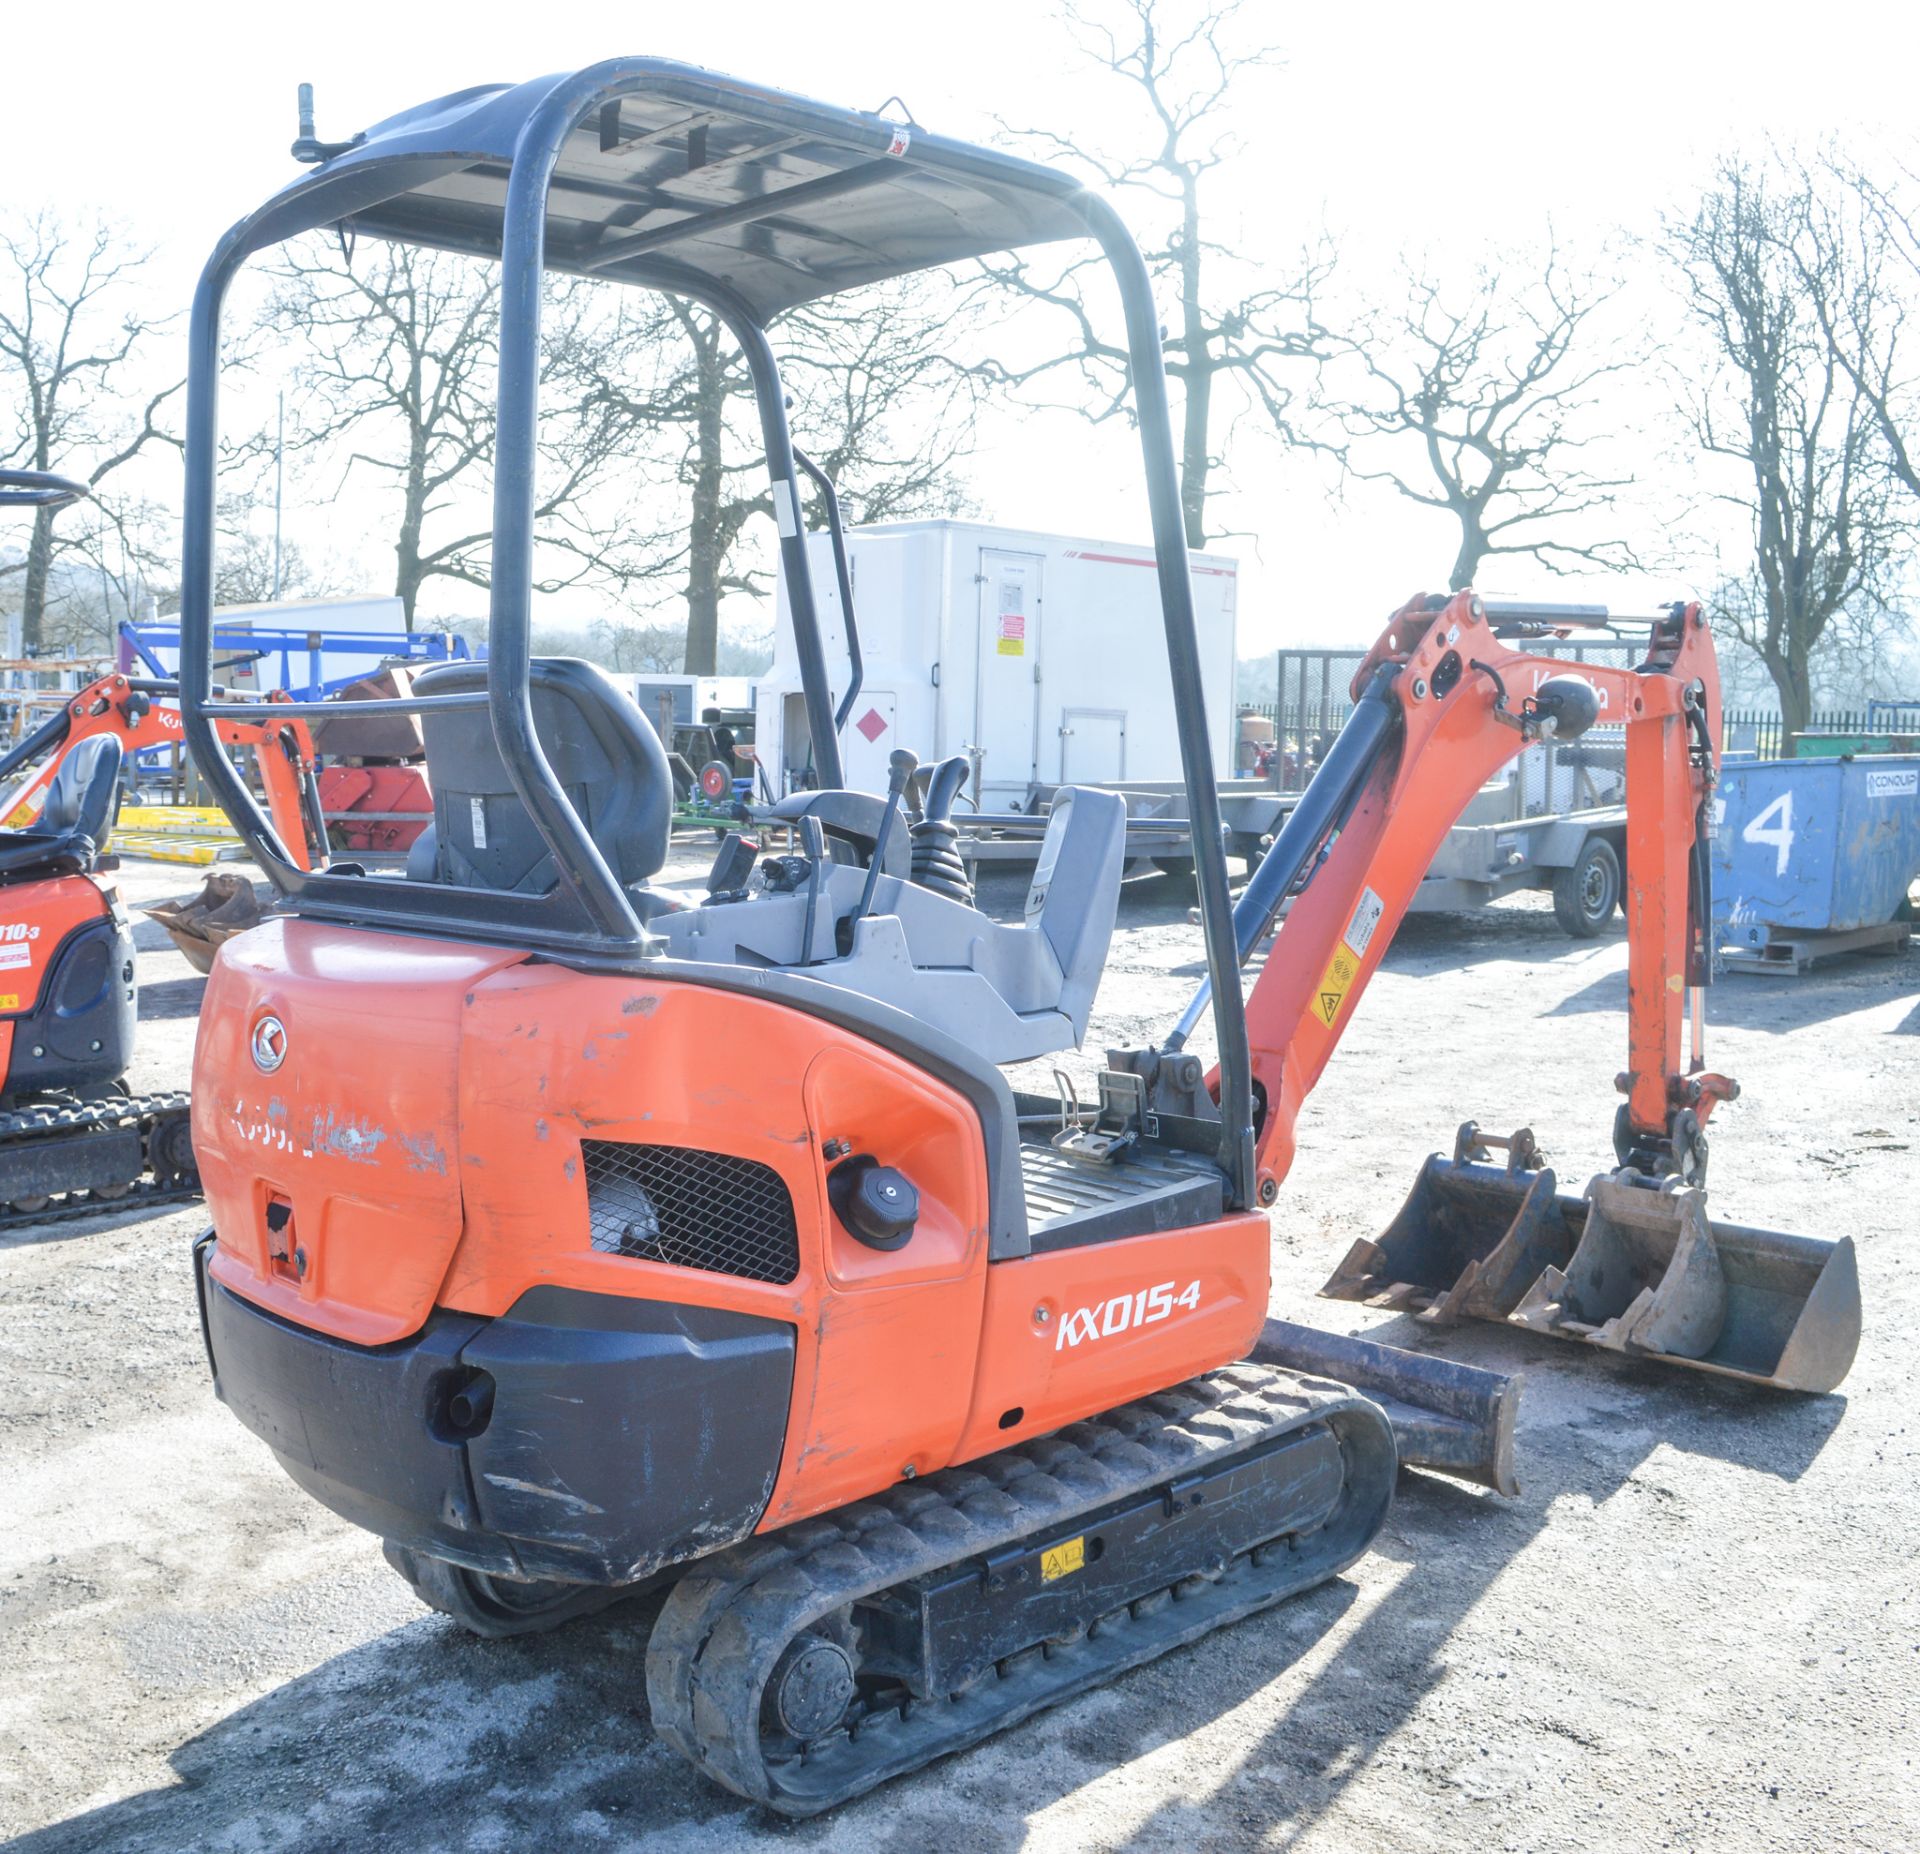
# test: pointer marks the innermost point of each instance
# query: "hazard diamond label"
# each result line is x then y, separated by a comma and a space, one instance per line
1335, 983
872, 724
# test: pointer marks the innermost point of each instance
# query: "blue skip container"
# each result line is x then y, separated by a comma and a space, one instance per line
1812, 847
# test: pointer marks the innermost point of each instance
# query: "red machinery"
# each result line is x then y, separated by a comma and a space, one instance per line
375, 807
69, 1131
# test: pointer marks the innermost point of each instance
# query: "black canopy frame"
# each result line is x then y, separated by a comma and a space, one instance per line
750, 201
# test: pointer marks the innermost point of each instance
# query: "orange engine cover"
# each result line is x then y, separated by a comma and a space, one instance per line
388, 1125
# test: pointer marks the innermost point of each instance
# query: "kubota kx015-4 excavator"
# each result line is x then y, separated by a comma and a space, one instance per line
932, 1410
73, 1141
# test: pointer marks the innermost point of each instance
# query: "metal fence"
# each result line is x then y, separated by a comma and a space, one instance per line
1314, 702
1763, 734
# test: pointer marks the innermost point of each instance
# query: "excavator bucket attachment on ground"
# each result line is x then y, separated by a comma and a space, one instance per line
1634, 1266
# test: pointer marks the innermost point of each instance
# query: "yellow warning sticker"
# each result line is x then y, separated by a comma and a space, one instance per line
9, 1000
1342, 969
1063, 1560
1011, 647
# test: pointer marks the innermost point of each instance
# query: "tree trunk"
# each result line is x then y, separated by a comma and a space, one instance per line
1793, 682
33, 593
706, 545
1466, 563
410, 570
1196, 461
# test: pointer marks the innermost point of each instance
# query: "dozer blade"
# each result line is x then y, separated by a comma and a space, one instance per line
1635, 1266
1448, 1418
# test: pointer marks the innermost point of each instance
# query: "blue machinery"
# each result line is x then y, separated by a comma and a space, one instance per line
250, 643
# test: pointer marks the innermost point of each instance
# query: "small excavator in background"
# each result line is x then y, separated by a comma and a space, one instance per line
930, 1402
73, 1141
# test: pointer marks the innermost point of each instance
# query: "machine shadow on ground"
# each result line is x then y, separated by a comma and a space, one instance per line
1777, 1006
427, 1737
1454, 1543
172, 997
95, 1224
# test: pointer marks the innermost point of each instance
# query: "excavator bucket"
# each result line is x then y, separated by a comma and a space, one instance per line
225, 906
1634, 1266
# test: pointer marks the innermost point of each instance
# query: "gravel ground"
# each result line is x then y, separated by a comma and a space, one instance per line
1698, 1627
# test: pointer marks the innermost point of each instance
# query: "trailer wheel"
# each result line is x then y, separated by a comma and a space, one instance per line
1585, 895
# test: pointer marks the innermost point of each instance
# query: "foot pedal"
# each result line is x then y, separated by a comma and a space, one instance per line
1121, 1121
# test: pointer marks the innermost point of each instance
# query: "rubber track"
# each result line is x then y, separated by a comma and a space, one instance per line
728, 1620
146, 1193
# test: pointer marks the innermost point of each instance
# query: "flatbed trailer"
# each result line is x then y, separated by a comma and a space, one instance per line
1157, 828
1499, 847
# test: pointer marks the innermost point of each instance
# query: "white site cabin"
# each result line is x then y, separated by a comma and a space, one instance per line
1045, 653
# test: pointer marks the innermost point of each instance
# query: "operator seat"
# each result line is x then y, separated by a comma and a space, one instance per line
75, 823
608, 761
1074, 897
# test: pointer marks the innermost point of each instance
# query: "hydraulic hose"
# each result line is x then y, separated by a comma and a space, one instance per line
1323, 807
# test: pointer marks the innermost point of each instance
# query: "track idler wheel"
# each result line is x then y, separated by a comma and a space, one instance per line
170, 1148
497, 1606
812, 1686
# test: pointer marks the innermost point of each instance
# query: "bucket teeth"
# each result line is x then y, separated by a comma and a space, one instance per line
1636, 1267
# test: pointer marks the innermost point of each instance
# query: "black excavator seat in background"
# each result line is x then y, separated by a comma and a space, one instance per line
609, 762
77, 819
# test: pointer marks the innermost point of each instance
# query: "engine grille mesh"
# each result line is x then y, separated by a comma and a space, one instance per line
708, 1210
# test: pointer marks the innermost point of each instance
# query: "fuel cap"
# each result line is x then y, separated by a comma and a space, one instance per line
876, 1203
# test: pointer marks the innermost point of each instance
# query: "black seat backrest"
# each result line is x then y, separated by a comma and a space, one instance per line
75, 822
607, 759
84, 797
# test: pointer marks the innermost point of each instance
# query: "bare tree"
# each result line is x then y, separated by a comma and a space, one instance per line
877, 401
245, 570
397, 383
71, 337
1229, 341
651, 649
1868, 217
1766, 280
1477, 400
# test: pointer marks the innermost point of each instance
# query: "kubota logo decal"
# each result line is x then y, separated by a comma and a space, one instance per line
1123, 1313
269, 1044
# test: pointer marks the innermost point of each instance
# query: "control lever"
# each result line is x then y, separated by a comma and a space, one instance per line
902, 764
937, 863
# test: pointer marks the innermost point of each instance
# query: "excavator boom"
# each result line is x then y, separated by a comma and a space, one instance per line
1442, 702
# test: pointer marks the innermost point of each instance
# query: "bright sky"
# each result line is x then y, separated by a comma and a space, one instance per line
1397, 125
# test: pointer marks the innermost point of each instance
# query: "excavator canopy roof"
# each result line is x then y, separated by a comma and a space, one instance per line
678, 177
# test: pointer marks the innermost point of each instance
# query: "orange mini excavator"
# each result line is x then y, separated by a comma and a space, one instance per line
933, 1402
73, 1141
